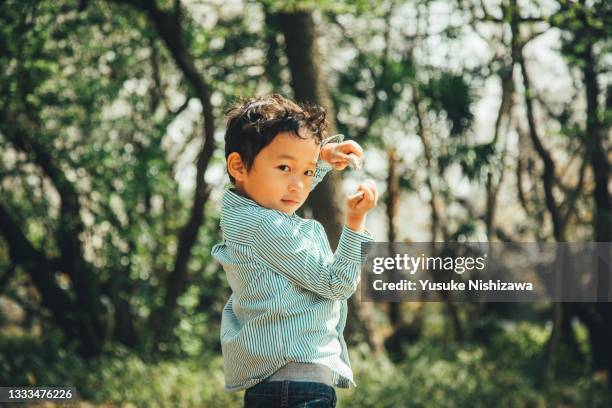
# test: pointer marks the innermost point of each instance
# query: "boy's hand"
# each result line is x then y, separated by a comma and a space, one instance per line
337, 154
359, 204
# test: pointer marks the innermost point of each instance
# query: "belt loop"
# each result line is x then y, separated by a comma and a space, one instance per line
285, 395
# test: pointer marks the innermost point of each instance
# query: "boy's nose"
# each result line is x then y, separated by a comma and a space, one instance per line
296, 184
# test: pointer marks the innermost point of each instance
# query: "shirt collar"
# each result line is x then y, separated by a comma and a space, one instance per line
231, 198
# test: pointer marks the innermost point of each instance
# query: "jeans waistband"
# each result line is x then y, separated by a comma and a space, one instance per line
303, 372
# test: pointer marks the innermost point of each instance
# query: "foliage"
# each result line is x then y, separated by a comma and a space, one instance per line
95, 86
116, 377
435, 373
450, 93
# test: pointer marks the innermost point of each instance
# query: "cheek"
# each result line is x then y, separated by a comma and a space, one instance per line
259, 174
307, 185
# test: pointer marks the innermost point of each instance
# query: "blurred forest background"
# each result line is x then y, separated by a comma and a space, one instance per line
482, 120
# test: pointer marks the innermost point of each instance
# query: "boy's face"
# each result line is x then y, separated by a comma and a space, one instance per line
281, 175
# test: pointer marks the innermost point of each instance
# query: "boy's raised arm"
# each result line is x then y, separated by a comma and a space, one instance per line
336, 154
323, 167
299, 255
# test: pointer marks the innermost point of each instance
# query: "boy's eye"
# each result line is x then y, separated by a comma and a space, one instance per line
309, 173
284, 167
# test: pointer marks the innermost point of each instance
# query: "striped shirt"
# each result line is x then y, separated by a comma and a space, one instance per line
289, 291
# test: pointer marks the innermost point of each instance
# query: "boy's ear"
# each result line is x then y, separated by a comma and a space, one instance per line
236, 167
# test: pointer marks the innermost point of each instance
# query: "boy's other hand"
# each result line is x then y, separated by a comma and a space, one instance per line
359, 204
337, 154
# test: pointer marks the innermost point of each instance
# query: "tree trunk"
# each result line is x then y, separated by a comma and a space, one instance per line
394, 342
601, 332
505, 112
168, 25
326, 200
427, 151
86, 309
548, 177
72, 317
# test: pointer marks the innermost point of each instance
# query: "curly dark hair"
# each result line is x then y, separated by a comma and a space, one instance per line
254, 122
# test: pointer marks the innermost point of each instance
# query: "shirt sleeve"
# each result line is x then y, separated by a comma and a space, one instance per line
322, 166
302, 255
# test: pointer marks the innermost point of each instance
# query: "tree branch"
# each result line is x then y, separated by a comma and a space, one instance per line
169, 28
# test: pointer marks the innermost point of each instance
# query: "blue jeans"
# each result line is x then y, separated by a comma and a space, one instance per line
290, 394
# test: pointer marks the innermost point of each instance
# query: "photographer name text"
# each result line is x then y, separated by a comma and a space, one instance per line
452, 285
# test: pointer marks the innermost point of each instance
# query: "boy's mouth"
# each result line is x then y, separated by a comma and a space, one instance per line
289, 202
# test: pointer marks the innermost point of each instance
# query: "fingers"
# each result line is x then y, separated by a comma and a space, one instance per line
353, 201
350, 146
369, 197
341, 155
365, 198
339, 164
340, 161
359, 204
372, 185
357, 196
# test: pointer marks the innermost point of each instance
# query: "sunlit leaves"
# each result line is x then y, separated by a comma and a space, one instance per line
450, 93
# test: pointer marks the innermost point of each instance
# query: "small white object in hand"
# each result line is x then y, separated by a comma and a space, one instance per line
354, 161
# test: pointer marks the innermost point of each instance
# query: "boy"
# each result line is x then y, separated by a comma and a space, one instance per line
281, 330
